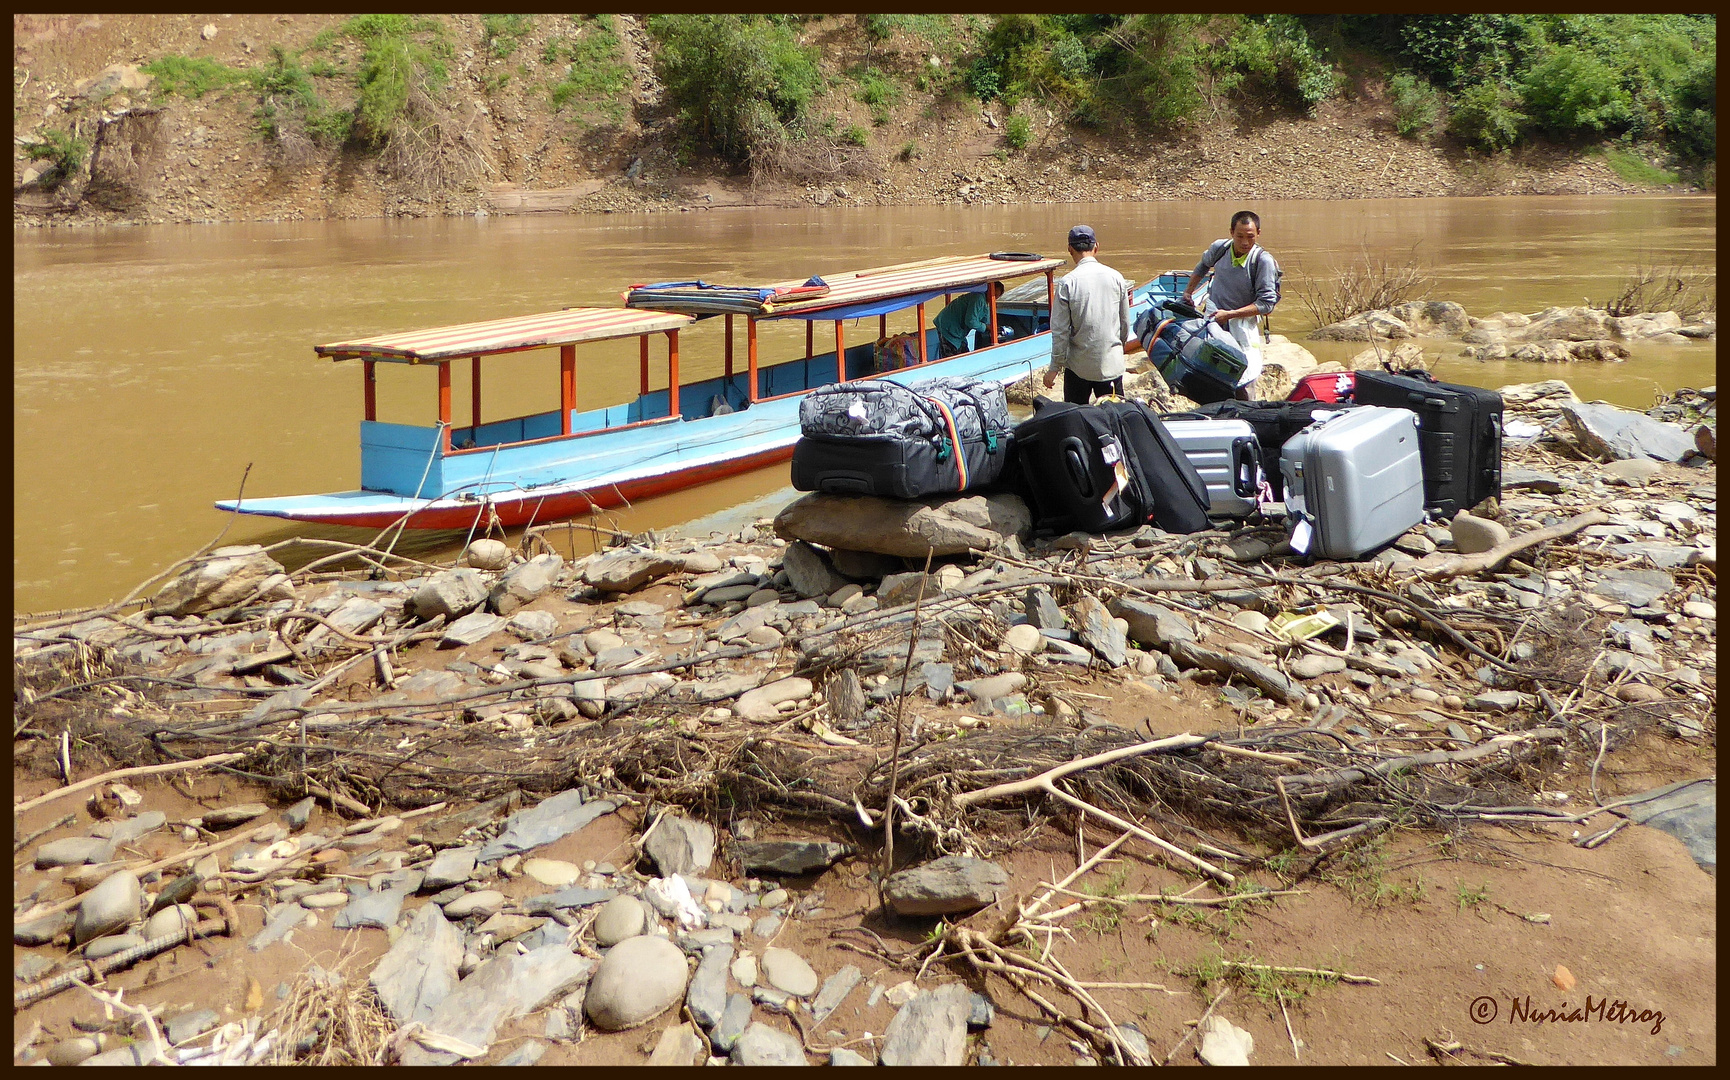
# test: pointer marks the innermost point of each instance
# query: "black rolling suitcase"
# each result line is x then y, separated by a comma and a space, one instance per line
1274, 422
1180, 496
1095, 468
1459, 435
877, 437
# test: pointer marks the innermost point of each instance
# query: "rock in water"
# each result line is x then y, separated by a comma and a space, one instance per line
787, 971
761, 1045
421, 968
930, 1030
109, 906
639, 979
223, 578
451, 594
952, 884
679, 845
1475, 534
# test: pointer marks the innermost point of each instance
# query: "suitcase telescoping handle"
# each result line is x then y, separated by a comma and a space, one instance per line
1074, 453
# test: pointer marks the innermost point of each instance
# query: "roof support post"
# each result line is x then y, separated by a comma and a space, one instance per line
567, 386
369, 383
840, 356
445, 404
729, 348
1050, 292
751, 355
672, 372
643, 365
921, 333
475, 393
810, 338
991, 304
882, 326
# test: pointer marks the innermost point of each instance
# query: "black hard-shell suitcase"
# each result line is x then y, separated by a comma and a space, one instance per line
1180, 496
1273, 422
878, 437
1072, 466
1459, 434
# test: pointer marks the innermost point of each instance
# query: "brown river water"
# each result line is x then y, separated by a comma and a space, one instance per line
153, 365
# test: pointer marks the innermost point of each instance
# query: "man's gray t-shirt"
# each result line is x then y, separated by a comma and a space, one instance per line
1255, 282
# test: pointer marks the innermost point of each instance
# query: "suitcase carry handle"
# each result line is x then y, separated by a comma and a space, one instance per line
1245, 455
1424, 399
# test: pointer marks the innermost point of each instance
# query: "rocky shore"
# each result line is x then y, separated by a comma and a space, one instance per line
632, 805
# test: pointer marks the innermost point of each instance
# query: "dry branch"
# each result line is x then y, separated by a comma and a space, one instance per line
1489, 560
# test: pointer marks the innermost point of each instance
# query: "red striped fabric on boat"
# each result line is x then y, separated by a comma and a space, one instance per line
568, 327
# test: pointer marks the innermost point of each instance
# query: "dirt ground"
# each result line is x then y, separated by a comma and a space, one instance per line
1442, 923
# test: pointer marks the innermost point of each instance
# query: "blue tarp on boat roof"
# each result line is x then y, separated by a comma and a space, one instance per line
864, 308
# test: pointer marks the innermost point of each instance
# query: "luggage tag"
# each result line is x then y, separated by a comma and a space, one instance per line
1112, 454
1301, 535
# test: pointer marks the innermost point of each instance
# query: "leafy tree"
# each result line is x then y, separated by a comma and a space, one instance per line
739, 81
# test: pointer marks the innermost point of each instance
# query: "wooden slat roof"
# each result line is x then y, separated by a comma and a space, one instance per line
880, 282
568, 327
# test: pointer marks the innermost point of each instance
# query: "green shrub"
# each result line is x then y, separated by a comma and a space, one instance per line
1484, 116
1277, 60
1460, 50
879, 92
288, 102
1570, 92
909, 150
856, 136
501, 34
401, 55
738, 81
191, 76
1416, 105
1018, 132
1161, 68
65, 152
597, 74
1693, 121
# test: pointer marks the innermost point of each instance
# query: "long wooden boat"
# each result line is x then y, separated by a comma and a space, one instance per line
561, 462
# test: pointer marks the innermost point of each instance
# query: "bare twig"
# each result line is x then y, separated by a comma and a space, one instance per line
122, 774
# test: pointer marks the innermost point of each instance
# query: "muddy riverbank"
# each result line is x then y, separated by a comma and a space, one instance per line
458, 787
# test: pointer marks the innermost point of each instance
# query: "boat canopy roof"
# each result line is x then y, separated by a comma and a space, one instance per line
849, 295
568, 327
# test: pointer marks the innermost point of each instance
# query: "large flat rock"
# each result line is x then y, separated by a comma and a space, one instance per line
908, 528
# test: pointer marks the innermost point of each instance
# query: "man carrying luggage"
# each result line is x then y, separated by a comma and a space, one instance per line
969, 311
1089, 324
1245, 287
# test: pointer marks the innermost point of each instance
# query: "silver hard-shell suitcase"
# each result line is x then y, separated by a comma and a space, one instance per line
1226, 455
1353, 481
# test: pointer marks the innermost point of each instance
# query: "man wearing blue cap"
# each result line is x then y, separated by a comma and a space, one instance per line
1089, 324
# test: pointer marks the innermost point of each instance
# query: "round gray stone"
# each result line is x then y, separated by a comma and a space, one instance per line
787, 971
620, 918
639, 979
170, 920
108, 906
108, 946
1313, 666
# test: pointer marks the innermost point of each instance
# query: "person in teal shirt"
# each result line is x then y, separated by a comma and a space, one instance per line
971, 311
